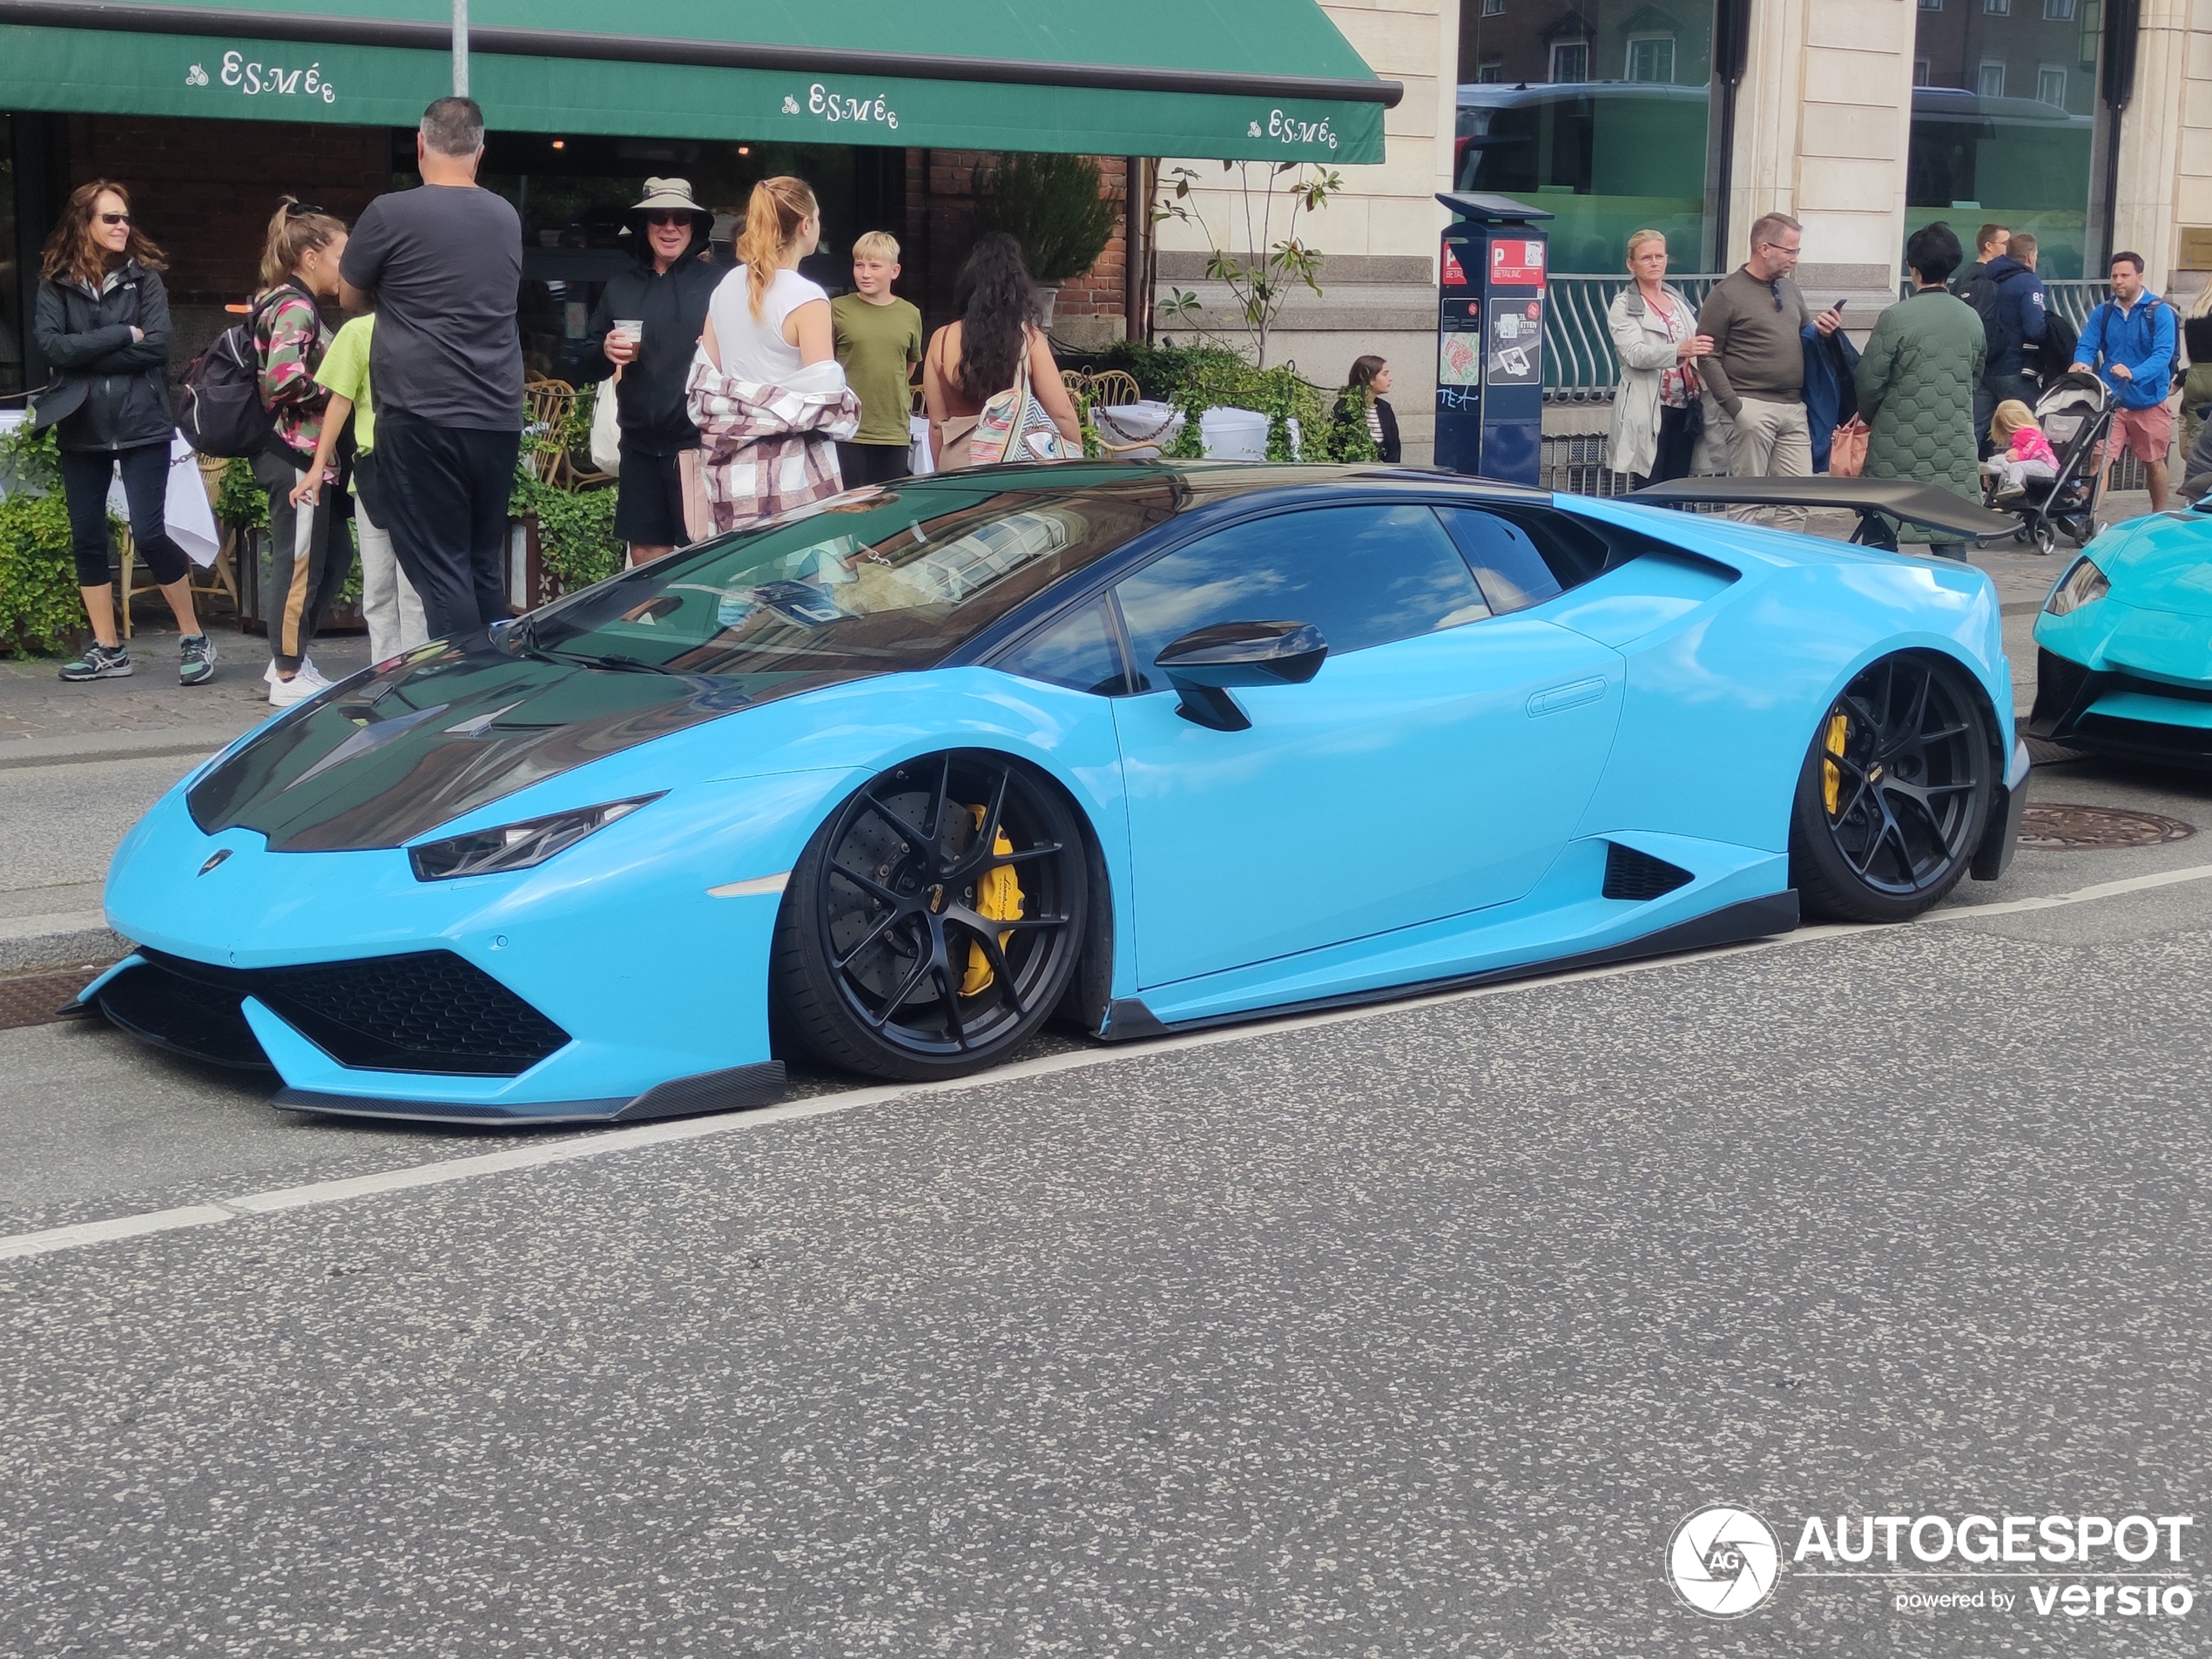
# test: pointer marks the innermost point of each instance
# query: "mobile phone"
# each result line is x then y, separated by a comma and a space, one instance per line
1839, 306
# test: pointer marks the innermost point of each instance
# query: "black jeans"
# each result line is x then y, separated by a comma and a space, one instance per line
85, 477
874, 463
445, 490
1678, 442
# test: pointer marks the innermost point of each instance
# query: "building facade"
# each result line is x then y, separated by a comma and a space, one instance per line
2085, 122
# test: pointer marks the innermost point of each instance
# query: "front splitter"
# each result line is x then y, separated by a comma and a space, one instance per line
738, 1088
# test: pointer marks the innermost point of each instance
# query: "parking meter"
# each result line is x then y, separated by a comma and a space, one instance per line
1490, 338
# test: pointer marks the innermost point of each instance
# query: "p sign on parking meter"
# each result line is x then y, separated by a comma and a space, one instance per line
1490, 338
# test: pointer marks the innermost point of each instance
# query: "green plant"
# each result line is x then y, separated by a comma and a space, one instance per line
1347, 437
1052, 205
575, 528
41, 612
1259, 280
240, 500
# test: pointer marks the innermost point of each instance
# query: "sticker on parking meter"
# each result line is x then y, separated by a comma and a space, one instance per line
1516, 344
1516, 264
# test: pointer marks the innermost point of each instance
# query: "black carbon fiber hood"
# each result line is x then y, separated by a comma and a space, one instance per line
445, 731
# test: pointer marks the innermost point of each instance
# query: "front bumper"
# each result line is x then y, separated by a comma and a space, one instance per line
2112, 712
608, 984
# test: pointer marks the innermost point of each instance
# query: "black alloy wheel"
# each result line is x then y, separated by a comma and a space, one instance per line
935, 920
1895, 793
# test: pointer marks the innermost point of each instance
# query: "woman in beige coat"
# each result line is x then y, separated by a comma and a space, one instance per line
1655, 335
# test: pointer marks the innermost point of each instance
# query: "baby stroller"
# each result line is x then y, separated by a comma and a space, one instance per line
2075, 413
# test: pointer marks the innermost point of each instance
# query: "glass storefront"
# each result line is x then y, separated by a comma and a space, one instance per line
2004, 121
574, 191
1599, 113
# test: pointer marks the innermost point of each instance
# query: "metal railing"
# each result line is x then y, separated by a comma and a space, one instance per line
1580, 366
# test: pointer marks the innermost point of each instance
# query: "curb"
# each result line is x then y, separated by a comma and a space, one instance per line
68, 938
184, 742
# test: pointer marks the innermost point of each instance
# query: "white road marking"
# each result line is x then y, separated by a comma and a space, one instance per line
601, 1144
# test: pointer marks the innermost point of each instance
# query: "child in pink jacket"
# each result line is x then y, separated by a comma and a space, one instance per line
2028, 456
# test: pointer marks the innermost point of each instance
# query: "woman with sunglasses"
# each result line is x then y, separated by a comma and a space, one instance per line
663, 301
103, 321
305, 561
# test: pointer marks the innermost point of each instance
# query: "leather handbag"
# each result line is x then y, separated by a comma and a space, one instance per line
1847, 450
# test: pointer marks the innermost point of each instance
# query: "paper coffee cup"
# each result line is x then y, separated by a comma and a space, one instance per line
631, 328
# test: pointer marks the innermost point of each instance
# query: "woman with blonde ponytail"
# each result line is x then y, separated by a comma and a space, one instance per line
765, 320
766, 390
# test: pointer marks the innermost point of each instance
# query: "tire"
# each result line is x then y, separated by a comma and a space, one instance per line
900, 951
1891, 803
2047, 539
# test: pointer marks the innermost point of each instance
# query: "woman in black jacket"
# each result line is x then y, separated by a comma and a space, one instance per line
103, 322
1361, 402
668, 293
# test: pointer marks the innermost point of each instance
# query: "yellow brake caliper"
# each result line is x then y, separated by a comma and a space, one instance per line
1832, 778
998, 898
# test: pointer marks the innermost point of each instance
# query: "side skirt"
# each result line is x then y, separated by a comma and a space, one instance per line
1129, 1020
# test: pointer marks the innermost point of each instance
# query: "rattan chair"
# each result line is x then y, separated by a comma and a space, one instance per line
1113, 387
550, 402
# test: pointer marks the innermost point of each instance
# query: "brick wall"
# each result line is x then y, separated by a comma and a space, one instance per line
204, 192
941, 187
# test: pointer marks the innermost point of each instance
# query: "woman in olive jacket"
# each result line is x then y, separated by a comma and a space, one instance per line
103, 322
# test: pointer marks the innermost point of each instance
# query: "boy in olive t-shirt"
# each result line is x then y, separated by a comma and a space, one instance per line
879, 341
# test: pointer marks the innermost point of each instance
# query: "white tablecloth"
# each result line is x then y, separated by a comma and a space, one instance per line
918, 429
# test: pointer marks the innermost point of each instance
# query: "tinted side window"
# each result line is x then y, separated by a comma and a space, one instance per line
1524, 561
1363, 575
1080, 651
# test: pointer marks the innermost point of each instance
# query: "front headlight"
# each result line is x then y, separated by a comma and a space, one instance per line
516, 847
2084, 585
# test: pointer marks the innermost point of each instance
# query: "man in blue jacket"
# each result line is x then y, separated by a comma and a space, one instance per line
2014, 320
2133, 333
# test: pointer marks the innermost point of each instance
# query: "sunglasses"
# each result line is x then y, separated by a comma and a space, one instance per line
684, 220
115, 219
299, 210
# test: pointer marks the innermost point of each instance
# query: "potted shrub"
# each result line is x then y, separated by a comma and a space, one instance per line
1052, 205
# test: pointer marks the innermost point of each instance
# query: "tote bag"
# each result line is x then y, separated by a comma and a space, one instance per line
1847, 450
1014, 425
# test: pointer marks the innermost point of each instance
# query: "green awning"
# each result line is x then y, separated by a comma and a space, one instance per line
1234, 79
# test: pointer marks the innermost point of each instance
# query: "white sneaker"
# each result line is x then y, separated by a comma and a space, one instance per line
284, 693
308, 670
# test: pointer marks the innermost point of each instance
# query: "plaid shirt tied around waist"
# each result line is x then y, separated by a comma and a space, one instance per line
765, 449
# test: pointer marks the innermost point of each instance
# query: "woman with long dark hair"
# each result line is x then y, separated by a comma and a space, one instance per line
1362, 402
972, 361
103, 321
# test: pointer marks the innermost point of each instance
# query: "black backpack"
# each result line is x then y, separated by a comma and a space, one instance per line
218, 407
2054, 352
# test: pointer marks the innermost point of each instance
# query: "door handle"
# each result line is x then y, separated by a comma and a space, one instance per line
1570, 696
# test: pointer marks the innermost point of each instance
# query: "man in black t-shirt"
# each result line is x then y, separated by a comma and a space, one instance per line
443, 267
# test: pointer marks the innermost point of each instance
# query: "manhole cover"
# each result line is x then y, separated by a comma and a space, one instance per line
36, 999
2052, 828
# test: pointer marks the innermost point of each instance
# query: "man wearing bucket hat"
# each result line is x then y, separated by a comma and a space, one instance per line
647, 321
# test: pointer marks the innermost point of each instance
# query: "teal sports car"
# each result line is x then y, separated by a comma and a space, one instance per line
2124, 644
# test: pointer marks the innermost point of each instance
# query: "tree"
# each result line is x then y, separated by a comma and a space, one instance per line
1053, 207
1260, 279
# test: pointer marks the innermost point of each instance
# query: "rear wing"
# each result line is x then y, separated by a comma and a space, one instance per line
1876, 501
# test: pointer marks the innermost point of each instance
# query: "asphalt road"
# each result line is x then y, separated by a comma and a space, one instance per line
1410, 1332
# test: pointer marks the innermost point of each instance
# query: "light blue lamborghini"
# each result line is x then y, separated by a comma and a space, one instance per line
2124, 644
891, 782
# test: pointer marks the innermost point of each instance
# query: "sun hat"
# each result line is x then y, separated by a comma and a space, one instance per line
664, 195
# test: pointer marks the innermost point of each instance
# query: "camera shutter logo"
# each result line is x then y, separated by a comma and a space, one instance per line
1723, 1561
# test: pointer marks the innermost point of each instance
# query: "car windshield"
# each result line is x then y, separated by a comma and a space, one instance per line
873, 582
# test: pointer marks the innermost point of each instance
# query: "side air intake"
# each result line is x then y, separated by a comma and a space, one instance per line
1638, 876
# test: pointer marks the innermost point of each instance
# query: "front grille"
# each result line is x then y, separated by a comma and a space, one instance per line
429, 1011
1634, 875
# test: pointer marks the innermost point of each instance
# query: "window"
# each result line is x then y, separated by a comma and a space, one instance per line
1920, 71
2058, 11
1363, 575
2050, 84
1491, 71
1081, 651
1997, 8
1570, 61
1493, 7
1651, 58
1523, 563
1990, 81
1931, 5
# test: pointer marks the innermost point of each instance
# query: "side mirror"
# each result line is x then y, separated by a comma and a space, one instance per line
1206, 662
